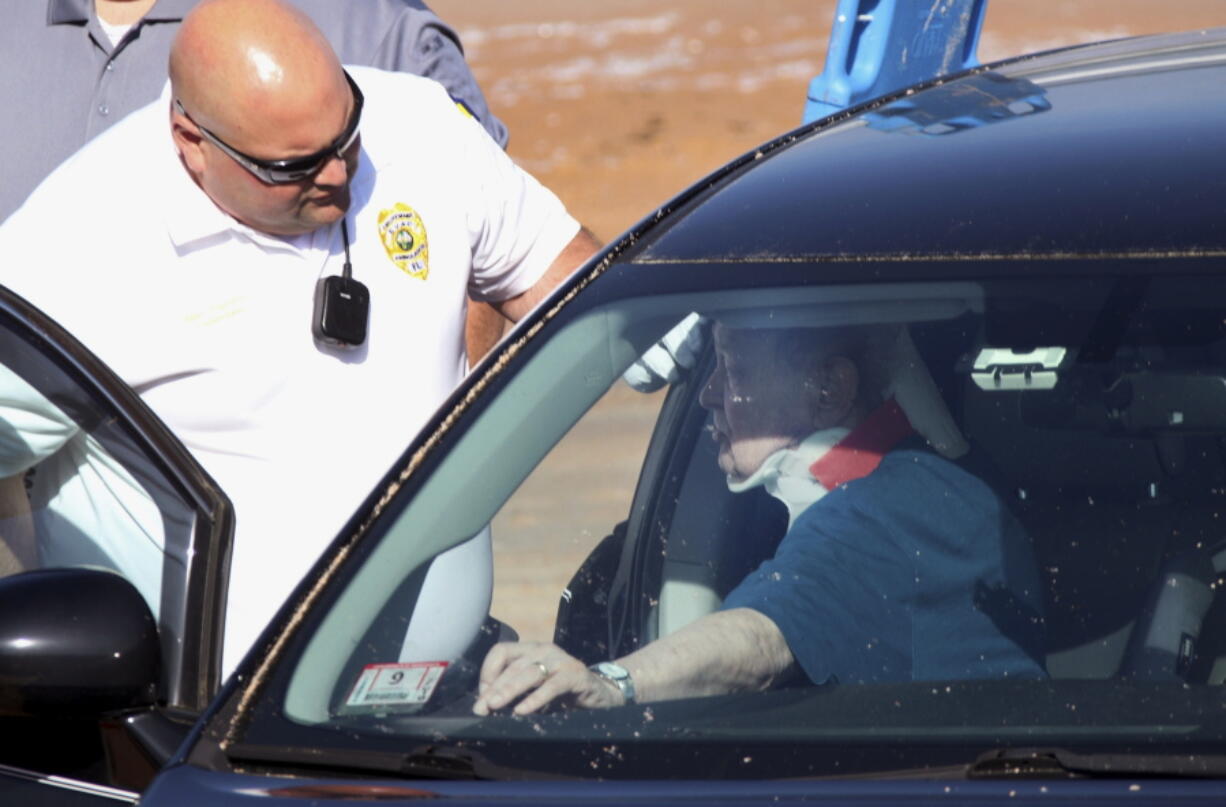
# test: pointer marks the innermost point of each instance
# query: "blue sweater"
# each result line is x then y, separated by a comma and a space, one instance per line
916, 572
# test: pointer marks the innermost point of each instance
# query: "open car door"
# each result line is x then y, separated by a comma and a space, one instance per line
114, 557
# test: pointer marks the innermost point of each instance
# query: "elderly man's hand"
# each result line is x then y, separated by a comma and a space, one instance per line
538, 674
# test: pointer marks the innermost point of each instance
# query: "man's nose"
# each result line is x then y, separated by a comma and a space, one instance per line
334, 173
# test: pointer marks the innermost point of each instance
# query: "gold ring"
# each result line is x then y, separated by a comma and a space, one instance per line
540, 665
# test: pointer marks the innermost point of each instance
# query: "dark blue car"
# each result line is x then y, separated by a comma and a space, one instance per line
1030, 258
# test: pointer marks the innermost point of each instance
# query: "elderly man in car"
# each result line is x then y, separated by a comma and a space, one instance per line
900, 563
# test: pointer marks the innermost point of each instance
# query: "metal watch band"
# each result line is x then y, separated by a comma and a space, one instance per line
617, 675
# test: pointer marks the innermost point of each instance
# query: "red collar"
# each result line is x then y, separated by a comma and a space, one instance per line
859, 453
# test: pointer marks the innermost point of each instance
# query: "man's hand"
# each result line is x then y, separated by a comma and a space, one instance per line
538, 674
738, 650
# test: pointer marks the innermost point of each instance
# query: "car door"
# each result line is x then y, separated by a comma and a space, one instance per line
98, 503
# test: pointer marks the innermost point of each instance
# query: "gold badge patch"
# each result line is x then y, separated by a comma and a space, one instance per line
404, 238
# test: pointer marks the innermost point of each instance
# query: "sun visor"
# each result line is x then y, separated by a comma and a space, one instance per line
854, 305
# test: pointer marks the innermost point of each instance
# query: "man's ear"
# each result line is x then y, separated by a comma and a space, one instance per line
188, 142
836, 396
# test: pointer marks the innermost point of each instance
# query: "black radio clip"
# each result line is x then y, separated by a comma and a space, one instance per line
342, 305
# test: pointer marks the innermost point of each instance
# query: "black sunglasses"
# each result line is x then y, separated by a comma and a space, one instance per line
282, 172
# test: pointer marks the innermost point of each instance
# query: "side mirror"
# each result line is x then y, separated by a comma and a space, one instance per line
75, 642
585, 610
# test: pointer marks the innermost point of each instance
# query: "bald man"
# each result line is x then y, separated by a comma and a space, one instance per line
75, 67
194, 244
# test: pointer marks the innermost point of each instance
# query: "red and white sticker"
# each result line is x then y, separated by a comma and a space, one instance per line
396, 684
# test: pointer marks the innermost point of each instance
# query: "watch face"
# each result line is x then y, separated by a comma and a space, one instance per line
612, 670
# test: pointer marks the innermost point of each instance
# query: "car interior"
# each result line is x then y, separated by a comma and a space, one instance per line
1105, 420
1101, 404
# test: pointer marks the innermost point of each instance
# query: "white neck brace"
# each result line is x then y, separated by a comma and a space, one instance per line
786, 476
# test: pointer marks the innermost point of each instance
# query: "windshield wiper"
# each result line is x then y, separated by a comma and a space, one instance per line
1054, 763
453, 762
424, 762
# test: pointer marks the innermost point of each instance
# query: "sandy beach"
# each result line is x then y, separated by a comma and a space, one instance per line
618, 105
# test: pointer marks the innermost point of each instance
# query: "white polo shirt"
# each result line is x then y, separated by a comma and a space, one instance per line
211, 321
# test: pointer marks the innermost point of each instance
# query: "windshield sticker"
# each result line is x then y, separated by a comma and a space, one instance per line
396, 684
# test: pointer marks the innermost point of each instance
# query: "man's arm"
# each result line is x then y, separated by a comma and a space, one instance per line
738, 650
583, 246
486, 323
483, 327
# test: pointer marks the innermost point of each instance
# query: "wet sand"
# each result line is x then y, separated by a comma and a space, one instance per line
620, 104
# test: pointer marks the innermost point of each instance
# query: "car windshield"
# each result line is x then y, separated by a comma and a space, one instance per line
983, 515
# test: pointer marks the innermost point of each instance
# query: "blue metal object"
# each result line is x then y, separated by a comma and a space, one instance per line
877, 46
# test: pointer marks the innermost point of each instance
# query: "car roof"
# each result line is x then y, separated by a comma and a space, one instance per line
1097, 151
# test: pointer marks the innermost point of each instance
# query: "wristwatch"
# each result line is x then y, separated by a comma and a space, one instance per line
617, 675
